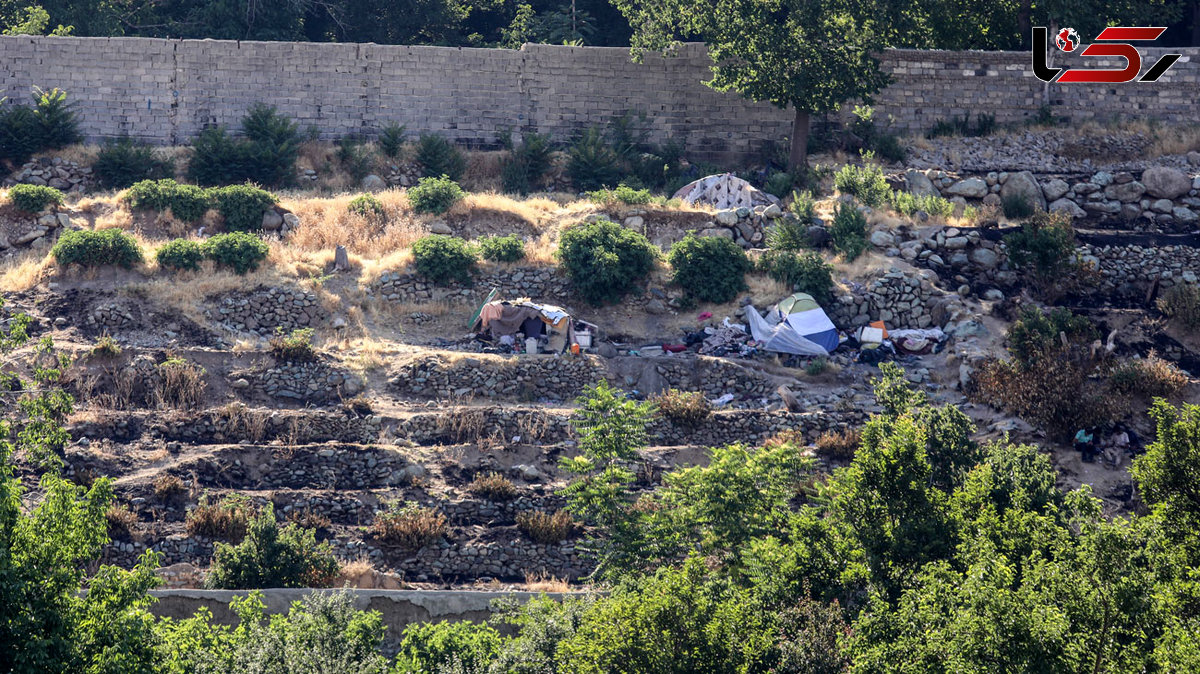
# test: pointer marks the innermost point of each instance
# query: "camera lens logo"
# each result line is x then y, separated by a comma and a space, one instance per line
1067, 39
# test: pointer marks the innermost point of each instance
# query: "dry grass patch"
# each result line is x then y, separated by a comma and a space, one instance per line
839, 445
543, 581
169, 490
26, 270
493, 487
121, 522
683, 408
180, 384
546, 528
409, 525
227, 520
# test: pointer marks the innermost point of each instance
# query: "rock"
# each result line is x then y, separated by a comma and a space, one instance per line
272, 220
971, 188
773, 211
991, 200
374, 183
964, 290
919, 184
1102, 178
985, 258
439, 227
818, 236
1024, 185
240, 383
30, 236
338, 323
728, 218
1067, 206
650, 382
1130, 212
1184, 215
717, 231
1161, 206
290, 221
1166, 183
993, 295
656, 307
1055, 189
341, 259
882, 239
606, 350
634, 222
956, 243
1126, 193
1193, 158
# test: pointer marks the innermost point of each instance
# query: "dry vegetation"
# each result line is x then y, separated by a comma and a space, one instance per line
409, 525
546, 528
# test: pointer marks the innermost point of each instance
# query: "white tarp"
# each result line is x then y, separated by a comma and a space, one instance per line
783, 337
810, 322
723, 191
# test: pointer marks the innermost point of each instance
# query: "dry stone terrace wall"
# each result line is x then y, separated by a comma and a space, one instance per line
166, 91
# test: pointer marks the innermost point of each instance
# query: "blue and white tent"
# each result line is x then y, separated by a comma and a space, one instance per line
796, 325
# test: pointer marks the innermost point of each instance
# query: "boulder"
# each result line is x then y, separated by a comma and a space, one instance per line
1161, 206
984, 258
272, 220
717, 231
919, 184
1126, 192
971, 188
374, 183
650, 382
1184, 215
1165, 182
818, 236
1067, 206
1055, 189
440, 227
1024, 185
728, 218
882, 239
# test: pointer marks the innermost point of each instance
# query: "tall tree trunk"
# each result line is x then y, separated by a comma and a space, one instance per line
1024, 22
798, 159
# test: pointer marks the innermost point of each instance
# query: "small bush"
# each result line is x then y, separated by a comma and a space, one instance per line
240, 251
434, 195
356, 158
709, 268
848, 232
1182, 303
439, 157
804, 207
180, 254
34, 198
272, 556
546, 529
509, 248
367, 206
866, 183
1044, 248
20, 133
592, 163
243, 206
58, 126
169, 490
121, 521
805, 272
391, 140
179, 384
961, 126
227, 520
524, 167
889, 147
409, 525
106, 347
443, 259
780, 184
840, 445
1036, 333
1035, 392
623, 194
683, 408
447, 648
1016, 206
789, 234
294, 347
604, 260
97, 248
267, 155
907, 203
125, 161
816, 366
493, 487
189, 203
1150, 377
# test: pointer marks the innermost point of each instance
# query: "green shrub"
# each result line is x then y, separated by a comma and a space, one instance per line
186, 202
20, 133
271, 556
888, 146
623, 194
509, 248
709, 268
293, 347
907, 203
34, 198
391, 140
446, 647
92, 248
961, 126
1181, 302
525, 165
180, 254
243, 206
804, 207
592, 163
267, 155
125, 161
443, 259
849, 232
439, 157
805, 272
780, 184
604, 260
1036, 333
865, 182
366, 205
434, 195
57, 123
1149, 377
788, 233
240, 251
355, 157
1044, 247
1016, 205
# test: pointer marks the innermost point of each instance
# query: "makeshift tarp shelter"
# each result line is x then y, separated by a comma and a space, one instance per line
796, 325
533, 320
724, 190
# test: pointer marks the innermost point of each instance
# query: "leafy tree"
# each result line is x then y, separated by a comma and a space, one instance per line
427, 647
1169, 472
810, 55
272, 556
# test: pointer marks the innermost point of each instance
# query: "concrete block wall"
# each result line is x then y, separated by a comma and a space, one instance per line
166, 91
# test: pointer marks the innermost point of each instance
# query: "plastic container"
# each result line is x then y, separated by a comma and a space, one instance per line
531, 345
583, 339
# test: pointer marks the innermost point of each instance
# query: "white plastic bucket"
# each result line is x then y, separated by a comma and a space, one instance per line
531, 345
583, 339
